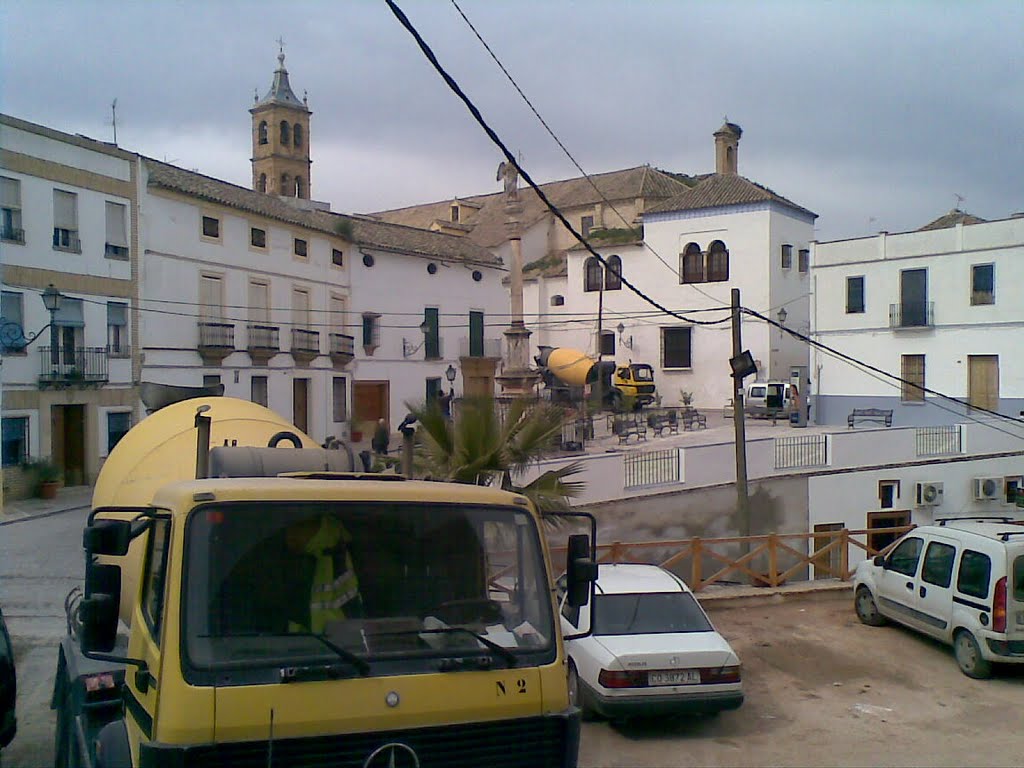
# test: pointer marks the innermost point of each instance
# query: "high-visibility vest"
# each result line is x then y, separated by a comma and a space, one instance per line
329, 593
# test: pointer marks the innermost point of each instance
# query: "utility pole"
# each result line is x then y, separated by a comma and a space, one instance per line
739, 426
600, 342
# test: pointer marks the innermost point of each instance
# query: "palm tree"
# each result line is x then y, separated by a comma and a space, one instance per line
480, 444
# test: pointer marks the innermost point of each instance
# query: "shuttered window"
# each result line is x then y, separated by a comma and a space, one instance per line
912, 373
675, 347
210, 298
983, 381
259, 302
65, 210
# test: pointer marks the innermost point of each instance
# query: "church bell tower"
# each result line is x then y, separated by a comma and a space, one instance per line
280, 140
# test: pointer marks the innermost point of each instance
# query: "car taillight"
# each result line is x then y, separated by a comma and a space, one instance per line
999, 607
615, 678
720, 675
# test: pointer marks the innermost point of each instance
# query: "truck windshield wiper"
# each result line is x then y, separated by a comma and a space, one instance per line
361, 665
501, 650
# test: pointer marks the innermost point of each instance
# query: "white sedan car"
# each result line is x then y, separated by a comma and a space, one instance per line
652, 651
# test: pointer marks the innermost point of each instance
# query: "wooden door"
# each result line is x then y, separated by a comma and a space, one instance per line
983, 381
370, 401
300, 404
828, 565
68, 441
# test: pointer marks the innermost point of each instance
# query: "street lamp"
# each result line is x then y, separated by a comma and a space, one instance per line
782, 315
450, 374
622, 339
408, 348
12, 334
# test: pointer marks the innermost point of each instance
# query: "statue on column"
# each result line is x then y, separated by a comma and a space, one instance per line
508, 172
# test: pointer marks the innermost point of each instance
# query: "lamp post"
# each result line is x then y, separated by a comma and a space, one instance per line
450, 375
51, 300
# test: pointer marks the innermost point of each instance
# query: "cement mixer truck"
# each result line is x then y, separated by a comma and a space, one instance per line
249, 600
568, 372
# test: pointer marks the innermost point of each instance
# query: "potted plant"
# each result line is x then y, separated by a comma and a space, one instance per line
45, 477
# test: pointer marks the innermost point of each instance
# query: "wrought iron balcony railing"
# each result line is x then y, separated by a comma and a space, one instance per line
305, 344
343, 348
912, 314
216, 340
71, 366
264, 341
12, 234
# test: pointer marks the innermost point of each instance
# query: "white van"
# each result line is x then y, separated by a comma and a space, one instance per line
961, 581
768, 399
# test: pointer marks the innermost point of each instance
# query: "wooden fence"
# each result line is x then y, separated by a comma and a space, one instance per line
769, 560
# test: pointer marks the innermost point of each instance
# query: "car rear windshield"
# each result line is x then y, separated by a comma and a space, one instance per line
1018, 579
648, 613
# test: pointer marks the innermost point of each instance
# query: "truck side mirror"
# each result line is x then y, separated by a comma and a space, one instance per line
581, 570
98, 610
107, 537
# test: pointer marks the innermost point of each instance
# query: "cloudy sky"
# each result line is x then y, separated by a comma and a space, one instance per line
873, 114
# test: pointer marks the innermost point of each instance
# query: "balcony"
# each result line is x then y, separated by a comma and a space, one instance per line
66, 240
12, 234
64, 367
470, 347
264, 342
216, 341
112, 251
343, 349
305, 345
912, 314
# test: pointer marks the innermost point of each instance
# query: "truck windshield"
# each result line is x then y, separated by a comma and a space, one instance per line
380, 582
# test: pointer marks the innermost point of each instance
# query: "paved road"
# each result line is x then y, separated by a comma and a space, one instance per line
40, 561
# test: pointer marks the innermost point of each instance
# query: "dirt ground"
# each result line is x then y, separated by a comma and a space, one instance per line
823, 689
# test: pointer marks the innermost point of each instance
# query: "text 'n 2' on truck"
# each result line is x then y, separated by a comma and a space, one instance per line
282, 610
567, 373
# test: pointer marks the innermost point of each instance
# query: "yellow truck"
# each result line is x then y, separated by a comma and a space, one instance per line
566, 372
257, 603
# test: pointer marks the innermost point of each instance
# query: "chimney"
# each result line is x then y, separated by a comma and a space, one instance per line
727, 140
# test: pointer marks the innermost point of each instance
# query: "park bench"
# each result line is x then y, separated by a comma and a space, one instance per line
693, 419
660, 422
877, 415
625, 426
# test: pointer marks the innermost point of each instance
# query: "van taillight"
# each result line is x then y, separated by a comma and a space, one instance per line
999, 607
614, 678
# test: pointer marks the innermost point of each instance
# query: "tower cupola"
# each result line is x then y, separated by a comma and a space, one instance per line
280, 139
727, 147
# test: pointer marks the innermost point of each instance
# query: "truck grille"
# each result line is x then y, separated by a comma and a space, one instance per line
540, 741
645, 389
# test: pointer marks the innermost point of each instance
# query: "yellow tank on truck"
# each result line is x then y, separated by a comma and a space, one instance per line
570, 365
161, 449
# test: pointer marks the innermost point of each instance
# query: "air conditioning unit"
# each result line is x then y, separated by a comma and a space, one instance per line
987, 488
929, 494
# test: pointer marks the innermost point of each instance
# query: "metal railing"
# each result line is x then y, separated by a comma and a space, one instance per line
343, 347
912, 314
266, 337
77, 365
801, 451
14, 234
305, 341
939, 441
216, 334
645, 468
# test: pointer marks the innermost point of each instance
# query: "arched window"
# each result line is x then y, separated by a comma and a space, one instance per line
718, 262
691, 264
299, 188
263, 183
285, 188
297, 135
613, 274
592, 275
262, 133
285, 133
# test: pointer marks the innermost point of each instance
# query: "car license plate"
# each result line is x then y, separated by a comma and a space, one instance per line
675, 677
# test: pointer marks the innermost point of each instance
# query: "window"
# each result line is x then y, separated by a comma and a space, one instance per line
371, 330
117, 231
983, 381
259, 302
913, 379
606, 343
613, 274
65, 221
211, 227
905, 557
117, 328
12, 311
300, 308
787, 256
1018, 579
263, 183
592, 274
804, 258
888, 492
70, 322
15, 440
983, 284
879, 541
558, 300
586, 224
938, 564
285, 133
211, 304
718, 262
156, 569
10, 210
258, 392
454, 214
854, 295
339, 398
432, 338
211, 380
973, 576
118, 424
257, 237
297, 135
300, 248
286, 181
433, 391
337, 257
691, 265
262, 133
300, 187
675, 347
571, 613
1012, 488
476, 334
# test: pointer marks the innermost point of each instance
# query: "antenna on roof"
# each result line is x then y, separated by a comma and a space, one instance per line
113, 119
959, 200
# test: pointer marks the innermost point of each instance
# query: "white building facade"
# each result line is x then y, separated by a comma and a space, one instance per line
68, 221
939, 307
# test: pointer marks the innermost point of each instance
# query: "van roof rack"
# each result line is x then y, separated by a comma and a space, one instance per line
976, 519
1005, 535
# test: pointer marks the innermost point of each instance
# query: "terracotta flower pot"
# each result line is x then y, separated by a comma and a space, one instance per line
48, 489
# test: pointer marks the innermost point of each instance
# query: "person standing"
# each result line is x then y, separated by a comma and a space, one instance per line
381, 438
